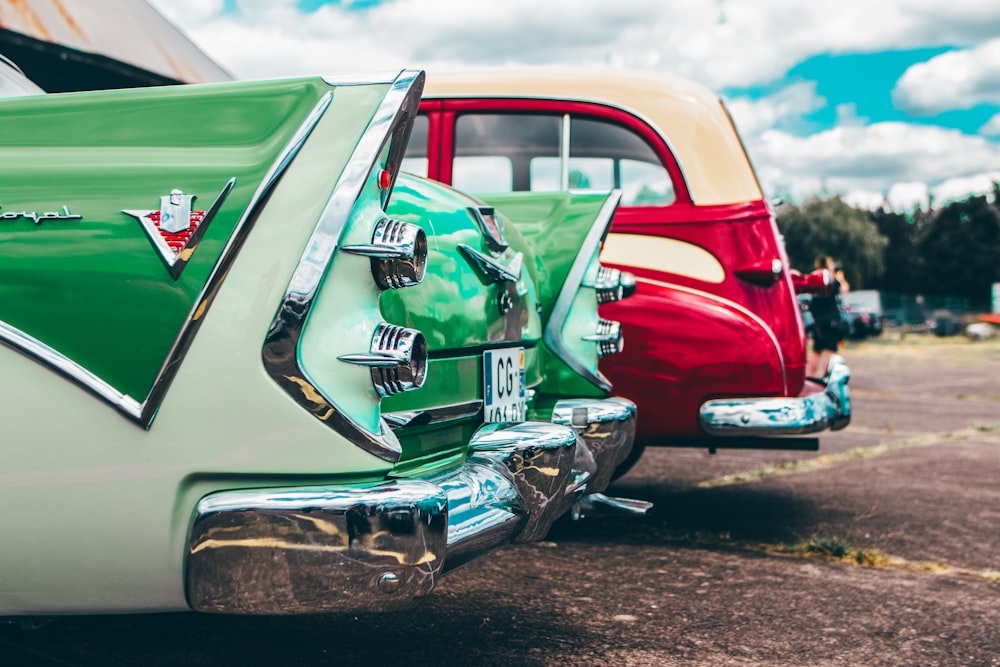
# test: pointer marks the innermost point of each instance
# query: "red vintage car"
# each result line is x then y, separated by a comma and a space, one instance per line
716, 351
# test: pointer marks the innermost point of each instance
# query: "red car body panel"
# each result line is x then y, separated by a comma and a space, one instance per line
689, 336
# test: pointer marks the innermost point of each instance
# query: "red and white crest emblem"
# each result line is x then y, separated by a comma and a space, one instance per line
176, 228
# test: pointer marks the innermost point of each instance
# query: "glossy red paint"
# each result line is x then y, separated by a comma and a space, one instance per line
683, 347
686, 340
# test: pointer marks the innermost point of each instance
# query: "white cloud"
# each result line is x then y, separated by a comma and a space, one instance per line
952, 80
783, 108
865, 199
908, 196
954, 189
717, 42
870, 158
991, 128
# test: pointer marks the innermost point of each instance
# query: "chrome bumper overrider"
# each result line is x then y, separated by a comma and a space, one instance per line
607, 428
830, 408
336, 549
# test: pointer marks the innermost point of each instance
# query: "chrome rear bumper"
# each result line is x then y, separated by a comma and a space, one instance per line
607, 428
336, 549
798, 415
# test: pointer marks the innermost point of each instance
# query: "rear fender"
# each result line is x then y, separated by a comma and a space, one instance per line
684, 347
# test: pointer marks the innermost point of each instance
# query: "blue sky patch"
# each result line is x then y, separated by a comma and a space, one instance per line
310, 6
865, 81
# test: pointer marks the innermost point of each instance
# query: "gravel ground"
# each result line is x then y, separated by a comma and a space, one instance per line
748, 558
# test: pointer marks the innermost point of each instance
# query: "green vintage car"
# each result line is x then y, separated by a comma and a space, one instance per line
210, 328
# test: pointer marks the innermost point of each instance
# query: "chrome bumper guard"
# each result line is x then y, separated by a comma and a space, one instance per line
828, 409
334, 549
607, 428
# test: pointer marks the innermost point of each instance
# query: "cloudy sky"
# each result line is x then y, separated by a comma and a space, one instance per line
871, 99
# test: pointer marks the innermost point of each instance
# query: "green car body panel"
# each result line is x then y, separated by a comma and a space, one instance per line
146, 392
562, 229
58, 152
96, 290
457, 310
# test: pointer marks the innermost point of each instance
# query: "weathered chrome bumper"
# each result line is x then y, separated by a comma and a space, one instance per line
607, 428
827, 409
335, 549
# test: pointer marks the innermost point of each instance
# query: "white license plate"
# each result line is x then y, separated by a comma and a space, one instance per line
503, 385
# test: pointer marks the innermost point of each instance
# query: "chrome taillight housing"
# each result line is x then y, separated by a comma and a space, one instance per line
613, 285
608, 338
398, 253
398, 359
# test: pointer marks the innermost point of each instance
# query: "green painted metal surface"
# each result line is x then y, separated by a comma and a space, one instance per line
555, 226
455, 305
457, 309
94, 287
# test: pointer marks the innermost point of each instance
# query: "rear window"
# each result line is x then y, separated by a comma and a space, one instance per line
502, 152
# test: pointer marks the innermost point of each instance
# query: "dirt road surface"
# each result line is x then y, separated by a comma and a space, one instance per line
883, 548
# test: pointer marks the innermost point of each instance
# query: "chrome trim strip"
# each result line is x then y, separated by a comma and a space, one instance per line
552, 335
491, 269
492, 231
143, 412
434, 416
796, 415
347, 549
607, 428
361, 79
392, 122
564, 139
228, 256
731, 304
63, 364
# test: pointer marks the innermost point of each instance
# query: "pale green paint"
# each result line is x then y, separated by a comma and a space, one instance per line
95, 510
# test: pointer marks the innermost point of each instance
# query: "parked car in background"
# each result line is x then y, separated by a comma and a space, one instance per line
209, 362
863, 311
716, 349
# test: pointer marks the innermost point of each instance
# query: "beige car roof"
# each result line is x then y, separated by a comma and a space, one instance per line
689, 117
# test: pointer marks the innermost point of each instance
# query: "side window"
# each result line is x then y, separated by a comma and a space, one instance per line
498, 152
483, 173
415, 158
503, 152
603, 154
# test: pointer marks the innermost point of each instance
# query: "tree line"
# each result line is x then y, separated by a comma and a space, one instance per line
949, 251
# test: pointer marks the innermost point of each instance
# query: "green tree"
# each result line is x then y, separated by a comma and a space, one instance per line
832, 227
960, 250
902, 270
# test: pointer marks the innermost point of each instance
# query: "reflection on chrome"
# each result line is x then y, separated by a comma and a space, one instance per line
343, 549
613, 285
606, 426
795, 415
434, 416
608, 338
398, 359
398, 252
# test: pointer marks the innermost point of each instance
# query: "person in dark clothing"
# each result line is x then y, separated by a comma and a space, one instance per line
828, 328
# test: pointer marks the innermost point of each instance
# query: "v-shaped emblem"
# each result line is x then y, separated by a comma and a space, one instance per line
176, 228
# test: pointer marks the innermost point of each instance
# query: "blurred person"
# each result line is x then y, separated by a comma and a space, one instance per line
829, 326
